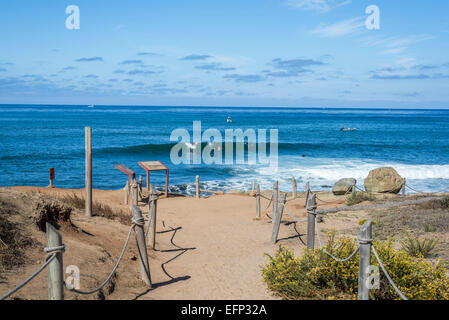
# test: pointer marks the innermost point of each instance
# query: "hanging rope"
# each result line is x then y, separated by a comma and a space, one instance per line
134, 223
417, 191
51, 254
323, 200
317, 230
388, 276
292, 217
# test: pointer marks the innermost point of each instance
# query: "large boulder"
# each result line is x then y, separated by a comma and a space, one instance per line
383, 180
343, 186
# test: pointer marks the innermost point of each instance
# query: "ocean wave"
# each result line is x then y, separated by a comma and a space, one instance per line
282, 147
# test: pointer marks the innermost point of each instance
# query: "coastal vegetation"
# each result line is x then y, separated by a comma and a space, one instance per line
315, 275
417, 248
358, 197
100, 209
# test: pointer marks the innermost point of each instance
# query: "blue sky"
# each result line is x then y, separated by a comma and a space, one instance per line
299, 53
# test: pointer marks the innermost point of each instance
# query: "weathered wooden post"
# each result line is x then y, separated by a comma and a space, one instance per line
307, 194
127, 191
88, 151
311, 216
134, 193
55, 268
140, 188
403, 186
295, 187
277, 218
197, 184
365, 240
152, 216
141, 246
253, 187
258, 201
353, 191
275, 198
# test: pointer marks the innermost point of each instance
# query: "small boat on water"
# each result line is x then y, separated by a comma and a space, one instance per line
348, 129
229, 120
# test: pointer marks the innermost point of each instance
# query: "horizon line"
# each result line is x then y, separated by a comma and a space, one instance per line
218, 107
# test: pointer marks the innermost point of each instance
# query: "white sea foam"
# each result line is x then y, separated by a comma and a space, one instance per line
323, 173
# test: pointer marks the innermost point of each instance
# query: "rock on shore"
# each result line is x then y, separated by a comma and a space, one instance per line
383, 180
343, 186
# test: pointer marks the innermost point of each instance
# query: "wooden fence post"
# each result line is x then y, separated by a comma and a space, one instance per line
295, 188
403, 186
153, 216
353, 191
275, 198
277, 218
88, 151
364, 260
307, 194
127, 191
140, 188
258, 201
55, 272
311, 216
197, 183
141, 246
134, 193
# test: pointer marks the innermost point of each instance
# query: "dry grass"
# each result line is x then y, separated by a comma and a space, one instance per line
358, 197
425, 222
421, 218
98, 209
13, 243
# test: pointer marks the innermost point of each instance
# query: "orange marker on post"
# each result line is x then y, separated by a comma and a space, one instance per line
52, 177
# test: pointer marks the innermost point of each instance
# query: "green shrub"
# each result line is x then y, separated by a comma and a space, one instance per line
417, 248
317, 276
358, 197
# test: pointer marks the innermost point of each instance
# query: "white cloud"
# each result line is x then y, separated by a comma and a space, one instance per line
394, 50
395, 45
341, 28
320, 6
394, 42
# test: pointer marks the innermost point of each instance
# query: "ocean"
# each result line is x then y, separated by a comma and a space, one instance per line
34, 138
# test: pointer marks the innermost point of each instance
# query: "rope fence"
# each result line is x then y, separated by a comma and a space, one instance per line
55, 248
31, 277
365, 243
406, 185
112, 272
365, 240
387, 275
